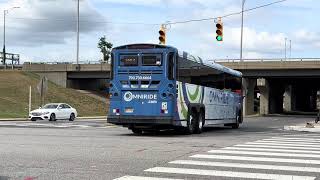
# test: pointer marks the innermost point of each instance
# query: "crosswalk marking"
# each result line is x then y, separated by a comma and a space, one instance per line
302, 135
247, 166
142, 178
227, 173
276, 146
295, 139
263, 153
276, 157
271, 150
250, 158
289, 142
284, 144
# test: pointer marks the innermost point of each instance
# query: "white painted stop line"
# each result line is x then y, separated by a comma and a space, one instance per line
264, 153
143, 178
247, 166
250, 158
203, 172
271, 150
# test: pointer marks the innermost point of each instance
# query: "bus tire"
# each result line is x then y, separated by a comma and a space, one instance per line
199, 123
191, 122
237, 124
136, 131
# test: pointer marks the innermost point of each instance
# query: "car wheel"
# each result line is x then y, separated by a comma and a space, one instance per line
72, 117
52, 117
136, 131
33, 119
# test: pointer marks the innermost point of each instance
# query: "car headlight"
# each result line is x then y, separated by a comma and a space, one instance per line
45, 113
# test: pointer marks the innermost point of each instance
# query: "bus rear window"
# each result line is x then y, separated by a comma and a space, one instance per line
128, 60
151, 60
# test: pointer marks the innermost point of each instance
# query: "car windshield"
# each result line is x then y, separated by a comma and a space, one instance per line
50, 106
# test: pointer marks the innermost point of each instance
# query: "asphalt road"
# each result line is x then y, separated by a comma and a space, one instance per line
95, 150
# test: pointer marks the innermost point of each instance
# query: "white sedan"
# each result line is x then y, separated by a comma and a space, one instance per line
54, 111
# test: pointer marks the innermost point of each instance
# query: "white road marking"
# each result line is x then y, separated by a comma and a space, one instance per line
271, 150
295, 139
284, 144
143, 178
250, 158
203, 172
301, 135
264, 153
276, 146
248, 166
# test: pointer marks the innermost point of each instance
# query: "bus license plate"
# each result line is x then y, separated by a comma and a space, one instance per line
128, 110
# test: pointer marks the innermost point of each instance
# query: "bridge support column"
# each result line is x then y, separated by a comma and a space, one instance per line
264, 88
248, 101
289, 99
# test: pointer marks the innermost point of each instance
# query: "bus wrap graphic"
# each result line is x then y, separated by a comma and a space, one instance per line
182, 107
194, 93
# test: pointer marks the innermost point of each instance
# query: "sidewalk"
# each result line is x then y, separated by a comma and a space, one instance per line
100, 118
305, 127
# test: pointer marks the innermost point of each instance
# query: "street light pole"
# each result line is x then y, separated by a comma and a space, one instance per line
5, 12
78, 29
243, 1
4, 37
285, 49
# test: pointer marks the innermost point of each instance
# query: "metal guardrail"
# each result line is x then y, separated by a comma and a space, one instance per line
59, 62
266, 60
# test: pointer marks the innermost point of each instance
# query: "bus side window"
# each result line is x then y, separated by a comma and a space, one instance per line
171, 66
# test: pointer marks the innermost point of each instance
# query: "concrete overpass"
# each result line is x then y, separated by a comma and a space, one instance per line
283, 85
82, 76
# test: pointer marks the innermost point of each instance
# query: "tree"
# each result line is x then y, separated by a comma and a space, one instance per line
105, 49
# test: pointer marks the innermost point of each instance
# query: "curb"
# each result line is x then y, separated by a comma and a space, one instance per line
301, 129
78, 118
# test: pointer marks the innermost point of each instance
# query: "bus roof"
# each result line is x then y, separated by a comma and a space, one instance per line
184, 55
213, 65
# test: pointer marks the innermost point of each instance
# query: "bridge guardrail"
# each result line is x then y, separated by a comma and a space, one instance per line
266, 60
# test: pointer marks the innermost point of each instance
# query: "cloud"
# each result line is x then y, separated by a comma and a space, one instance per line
41, 22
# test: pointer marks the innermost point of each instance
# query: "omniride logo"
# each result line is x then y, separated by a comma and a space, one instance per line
129, 96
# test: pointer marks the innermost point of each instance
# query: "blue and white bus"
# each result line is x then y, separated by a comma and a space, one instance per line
159, 87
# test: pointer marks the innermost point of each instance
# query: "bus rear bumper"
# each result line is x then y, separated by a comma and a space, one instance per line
138, 120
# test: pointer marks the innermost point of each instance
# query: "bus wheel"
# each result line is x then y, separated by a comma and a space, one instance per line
199, 123
136, 131
191, 122
236, 125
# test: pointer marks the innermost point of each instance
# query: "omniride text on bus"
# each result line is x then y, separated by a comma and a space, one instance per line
159, 87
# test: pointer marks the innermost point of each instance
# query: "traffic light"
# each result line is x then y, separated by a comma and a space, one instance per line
162, 33
219, 31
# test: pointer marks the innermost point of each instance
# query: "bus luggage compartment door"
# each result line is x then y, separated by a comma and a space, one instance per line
143, 103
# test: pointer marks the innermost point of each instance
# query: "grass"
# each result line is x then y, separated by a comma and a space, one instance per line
14, 96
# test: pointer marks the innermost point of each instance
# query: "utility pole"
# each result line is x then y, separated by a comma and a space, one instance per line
78, 29
243, 1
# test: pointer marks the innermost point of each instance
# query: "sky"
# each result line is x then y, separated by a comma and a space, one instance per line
45, 30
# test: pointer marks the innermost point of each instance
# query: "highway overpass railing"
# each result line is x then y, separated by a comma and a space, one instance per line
266, 60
